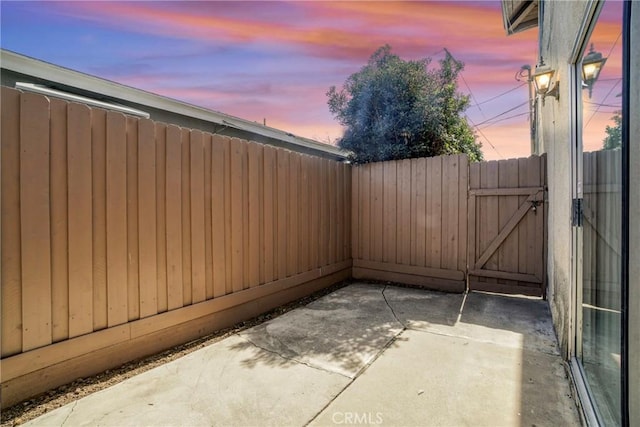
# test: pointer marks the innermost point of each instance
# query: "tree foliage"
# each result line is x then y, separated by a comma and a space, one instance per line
613, 139
396, 109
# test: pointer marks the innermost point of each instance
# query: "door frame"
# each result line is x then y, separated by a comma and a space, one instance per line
588, 24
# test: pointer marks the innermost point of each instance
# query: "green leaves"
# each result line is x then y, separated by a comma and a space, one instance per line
395, 109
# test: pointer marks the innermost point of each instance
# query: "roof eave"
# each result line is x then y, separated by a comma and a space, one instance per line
65, 76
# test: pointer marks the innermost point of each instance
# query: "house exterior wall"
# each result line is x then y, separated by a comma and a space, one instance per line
559, 29
634, 224
558, 32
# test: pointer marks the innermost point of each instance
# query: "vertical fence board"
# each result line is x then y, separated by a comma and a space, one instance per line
451, 217
245, 215
255, 208
260, 207
507, 205
523, 228
11, 289
99, 208
196, 169
59, 224
147, 218
237, 262
435, 208
325, 214
365, 212
227, 215
80, 225
292, 230
282, 209
116, 219
175, 292
463, 197
208, 220
331, 203
35, 222
343, 210
405, 237
490, 180
389, 207
185, 136
377, 211
218, 210
474, 183
303, 216
133, 290
355, 212
161, 216
270, 214
533, 180
419, 190
315, 213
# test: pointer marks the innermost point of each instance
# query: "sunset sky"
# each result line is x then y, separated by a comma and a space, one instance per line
276, 60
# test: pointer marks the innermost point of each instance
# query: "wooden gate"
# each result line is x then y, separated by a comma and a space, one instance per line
507, 235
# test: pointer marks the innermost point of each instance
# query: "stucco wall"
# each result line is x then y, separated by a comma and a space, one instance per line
634, 232
559, 31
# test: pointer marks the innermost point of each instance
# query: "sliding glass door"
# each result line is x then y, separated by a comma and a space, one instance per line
599, 181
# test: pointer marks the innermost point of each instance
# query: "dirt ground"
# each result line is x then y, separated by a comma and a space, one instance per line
33, 408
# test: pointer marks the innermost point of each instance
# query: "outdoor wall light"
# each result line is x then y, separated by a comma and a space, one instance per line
592, 64
543, 80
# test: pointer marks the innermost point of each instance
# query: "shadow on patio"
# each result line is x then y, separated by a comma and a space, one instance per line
365, 354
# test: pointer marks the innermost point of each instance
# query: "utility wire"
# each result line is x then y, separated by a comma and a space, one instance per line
505, 118
614, 44
603, 105
503, 113
467, 85
472, 95
484, 136
502, 94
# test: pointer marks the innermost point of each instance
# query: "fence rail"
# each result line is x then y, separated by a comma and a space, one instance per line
115, 228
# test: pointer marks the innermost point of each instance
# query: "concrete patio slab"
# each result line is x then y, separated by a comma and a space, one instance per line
214, 386
505, 320
436, 380
341, 332
365, 354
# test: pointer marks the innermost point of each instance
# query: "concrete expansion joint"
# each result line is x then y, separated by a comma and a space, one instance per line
300, 362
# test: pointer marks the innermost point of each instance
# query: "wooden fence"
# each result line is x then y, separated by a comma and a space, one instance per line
122, 236
409, 221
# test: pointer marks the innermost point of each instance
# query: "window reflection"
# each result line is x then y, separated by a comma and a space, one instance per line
602, 202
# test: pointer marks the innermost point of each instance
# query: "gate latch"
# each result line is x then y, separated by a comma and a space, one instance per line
534, 206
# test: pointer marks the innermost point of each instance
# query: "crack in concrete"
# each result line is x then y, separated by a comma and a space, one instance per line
392, 310
69, 414
318, 368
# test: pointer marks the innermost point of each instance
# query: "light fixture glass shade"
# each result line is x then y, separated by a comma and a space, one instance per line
592, 64
542, 81
590, 71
